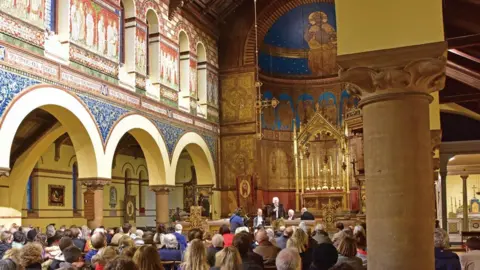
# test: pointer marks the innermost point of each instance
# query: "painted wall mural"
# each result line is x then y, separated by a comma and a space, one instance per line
140, 50
31, 11
193, 77
302, 42
95, 27
169, 65
212, 89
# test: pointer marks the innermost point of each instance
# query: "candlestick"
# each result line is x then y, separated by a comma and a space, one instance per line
308, 174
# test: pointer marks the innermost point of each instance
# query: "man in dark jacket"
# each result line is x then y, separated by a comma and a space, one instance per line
306, 215
6, 239
282, 240
321, 236
250, 260
444, 259
217, 245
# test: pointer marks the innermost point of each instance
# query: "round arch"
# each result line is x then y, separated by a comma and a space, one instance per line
70, 112
149, 139
127, 166
183, 41
201, 52
129, 8
201, 157
153, 21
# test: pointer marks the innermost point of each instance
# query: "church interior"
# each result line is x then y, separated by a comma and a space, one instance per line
185, 111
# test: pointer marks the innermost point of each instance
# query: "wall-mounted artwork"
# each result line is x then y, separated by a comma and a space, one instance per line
301, 42
193, 78
56, 195
169, 65
31, 11
113, 197
212, 89
95, 27
140, 51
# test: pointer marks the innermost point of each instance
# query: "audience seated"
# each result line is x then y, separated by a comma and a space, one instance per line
147, 258
299, 241
98, 241
121, 263
250, 260
228, 259
324, 257
227, 236
195, 257
72, 258
282, 240
306, 215
14, 256
19, 239
217, 245
77, 241
170, 251
471, 259
159, 234
182, 242
444, 259
320, 235
31, 256
125, 231
265, 248
64, 243
103, 256
288, 259
362, 248
128, 251
347, 250
6, 239
236, 220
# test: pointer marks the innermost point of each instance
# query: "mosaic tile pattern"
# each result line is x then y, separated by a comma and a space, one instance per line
10, 85
171, 135
211, 143
105, 114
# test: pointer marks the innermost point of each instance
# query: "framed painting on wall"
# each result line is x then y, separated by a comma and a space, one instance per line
56, 195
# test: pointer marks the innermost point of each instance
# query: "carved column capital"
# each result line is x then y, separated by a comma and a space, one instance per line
5, 172
435, 139
464, 177
95, 183
394, 73
162, 189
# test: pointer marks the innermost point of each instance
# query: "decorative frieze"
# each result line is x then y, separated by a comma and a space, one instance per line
95, 183
21, 30
93, 60
29, 63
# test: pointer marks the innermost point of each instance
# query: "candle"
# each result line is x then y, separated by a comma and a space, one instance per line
313, 168
331, 164
307, 168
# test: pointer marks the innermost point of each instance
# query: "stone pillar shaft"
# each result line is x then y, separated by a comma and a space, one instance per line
161, 203
465, 203
394, 87
96, 186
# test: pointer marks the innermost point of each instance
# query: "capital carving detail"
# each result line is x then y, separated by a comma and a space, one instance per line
95, 183
410, 70
162, 189
435, 139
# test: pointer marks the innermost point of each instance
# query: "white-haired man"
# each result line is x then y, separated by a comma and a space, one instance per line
288, 259
217, 245
182, 241
291, 214
306, 215
277, 211
258, 220
321, 236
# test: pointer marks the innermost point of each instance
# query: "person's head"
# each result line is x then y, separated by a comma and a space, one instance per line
126, 228
19, 237
259, 212
299, 241
128, 252
304, 210
195, 256
288, 259
288, 232
125, 241
473, 243
139, 233
347, 247
195, 233
63, 228
98, 240
8, 264
241, 229
302, 225
68, 233
358, 230
261, 237
75, 232
41, 238
13, 254
291, 212
361, 241
228, 259
217, 240
440, 239
242, 241
320, 227
6, 237
270, 233
161, 228
50, 230
31, 253
65, 242
104, 255
170, 241
339, 226
178, 228
275, 201
72, 254
121, 263
148, 238
147, 258
31, 235
224, 229
324, 256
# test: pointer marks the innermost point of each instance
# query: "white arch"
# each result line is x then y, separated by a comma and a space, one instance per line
150, 140
201, 157
129, 8
70, 112
201, 52
183, 41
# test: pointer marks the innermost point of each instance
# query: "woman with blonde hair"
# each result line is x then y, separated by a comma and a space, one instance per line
299, 241
195, 257
31, 256
104, 256
228, 259
347, 253
147, 258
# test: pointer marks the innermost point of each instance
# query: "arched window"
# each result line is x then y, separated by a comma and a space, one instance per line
202, 93
128, 176
141, 194
74, 187
30, 194
184, 99
153, 52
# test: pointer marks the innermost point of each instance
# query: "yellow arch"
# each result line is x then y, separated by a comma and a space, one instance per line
150, 140
201, 157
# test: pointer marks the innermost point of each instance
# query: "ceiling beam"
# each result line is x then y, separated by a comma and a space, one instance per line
464, 55
463, 75
461, 98
228, 10
464, 41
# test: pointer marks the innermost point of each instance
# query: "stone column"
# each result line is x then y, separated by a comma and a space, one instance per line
394, 87
465, 203
161, 202
93, 201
